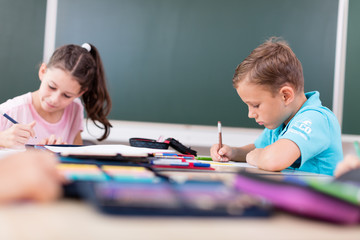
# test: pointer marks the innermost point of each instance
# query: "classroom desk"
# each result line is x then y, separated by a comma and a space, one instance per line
72, 219
75, 219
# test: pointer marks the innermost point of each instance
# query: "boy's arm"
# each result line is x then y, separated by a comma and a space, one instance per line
275, 157
240, 153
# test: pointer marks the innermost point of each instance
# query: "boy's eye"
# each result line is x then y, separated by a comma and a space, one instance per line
51, 87
256, 106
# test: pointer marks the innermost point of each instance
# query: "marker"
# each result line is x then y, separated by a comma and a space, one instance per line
8, 117
203, 158
357, 148
167, 161
201, 164
220, 135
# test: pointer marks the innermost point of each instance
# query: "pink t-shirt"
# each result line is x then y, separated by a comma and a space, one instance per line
22, 110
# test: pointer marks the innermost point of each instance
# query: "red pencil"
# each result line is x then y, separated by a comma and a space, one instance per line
220, 135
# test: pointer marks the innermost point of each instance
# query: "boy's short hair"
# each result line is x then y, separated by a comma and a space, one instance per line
272, 64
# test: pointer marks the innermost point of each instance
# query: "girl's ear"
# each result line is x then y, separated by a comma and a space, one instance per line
287, 94
42, 71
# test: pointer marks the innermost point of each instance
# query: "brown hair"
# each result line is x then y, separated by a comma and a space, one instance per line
272, 64
87, 68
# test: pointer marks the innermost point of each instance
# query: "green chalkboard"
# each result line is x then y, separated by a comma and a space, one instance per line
173, 60
22, 25
351, 110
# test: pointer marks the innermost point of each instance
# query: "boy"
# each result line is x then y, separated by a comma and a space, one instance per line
299, 132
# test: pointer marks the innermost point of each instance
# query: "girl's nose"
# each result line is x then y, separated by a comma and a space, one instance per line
55, 98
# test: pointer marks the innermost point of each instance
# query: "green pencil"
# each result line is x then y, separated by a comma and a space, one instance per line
203, 158
357, 148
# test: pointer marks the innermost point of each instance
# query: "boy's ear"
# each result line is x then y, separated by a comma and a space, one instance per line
42, 71
287, 94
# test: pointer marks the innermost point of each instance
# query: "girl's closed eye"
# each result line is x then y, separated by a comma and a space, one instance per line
51, 87
67, 96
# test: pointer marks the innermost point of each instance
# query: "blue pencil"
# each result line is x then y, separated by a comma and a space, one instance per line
8, 117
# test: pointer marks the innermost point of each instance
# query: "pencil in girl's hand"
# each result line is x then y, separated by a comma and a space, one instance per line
220, 135
8, 117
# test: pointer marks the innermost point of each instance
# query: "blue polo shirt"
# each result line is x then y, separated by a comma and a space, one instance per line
316, 131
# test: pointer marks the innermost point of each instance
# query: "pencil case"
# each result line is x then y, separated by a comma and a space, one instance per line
191, 198
303, 197
151, 143
148, 143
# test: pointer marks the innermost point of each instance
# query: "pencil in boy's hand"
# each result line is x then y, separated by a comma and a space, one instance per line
220, 135
8, 117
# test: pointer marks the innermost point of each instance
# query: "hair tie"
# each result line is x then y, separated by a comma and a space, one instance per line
86, 46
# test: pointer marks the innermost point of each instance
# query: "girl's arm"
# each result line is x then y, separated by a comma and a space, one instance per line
275, 157
78, 140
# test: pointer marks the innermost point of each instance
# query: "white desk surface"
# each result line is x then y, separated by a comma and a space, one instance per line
73, 219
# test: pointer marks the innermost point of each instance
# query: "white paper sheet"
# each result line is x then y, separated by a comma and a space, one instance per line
105, 149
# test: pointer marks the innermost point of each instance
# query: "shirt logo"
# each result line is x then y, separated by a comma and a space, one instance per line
306, 126
302, 128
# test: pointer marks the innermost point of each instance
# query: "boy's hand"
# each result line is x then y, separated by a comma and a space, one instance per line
221, 155
30, 175
17, 135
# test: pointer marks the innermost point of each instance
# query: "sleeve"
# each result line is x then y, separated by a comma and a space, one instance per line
263, 140
310, 132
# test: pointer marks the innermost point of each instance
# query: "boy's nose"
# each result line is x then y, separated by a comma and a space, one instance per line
251, 114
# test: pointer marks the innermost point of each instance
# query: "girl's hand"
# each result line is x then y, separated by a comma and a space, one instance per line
221, 155
52, 140
30, 175
17, 135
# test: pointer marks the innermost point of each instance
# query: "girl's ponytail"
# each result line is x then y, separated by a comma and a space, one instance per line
96, 99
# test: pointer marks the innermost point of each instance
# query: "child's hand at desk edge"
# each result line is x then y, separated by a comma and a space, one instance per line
30, 175
227, 153
17, 135
350, 162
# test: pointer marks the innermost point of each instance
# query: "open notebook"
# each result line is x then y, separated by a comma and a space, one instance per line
103, 150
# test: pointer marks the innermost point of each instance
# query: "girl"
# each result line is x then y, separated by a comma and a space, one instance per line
54, 113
